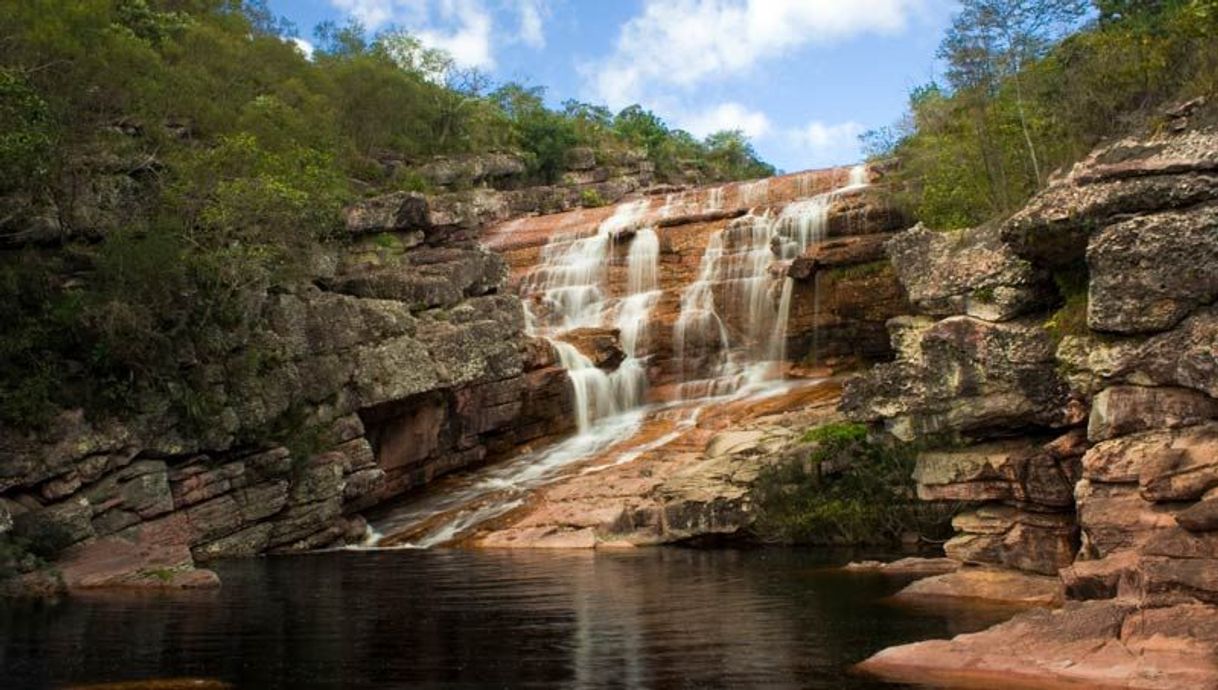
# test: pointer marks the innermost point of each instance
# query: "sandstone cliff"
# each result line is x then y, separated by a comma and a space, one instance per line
1064, 362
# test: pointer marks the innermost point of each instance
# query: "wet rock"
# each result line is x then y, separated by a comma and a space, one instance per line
1089, 644
987, 584
843, 251
151, 555
911, 566
1128, 409
968, 272
601, 345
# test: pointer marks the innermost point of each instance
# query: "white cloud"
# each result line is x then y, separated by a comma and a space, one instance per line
755, 124
374, 14
532, 18
463, 28
682, 43
469, 38
818, 144
303, 46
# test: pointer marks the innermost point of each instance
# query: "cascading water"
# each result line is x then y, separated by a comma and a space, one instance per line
571, 287
742, 281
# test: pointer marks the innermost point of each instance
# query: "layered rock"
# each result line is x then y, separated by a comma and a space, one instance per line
1140, 213
844, 291
405, 365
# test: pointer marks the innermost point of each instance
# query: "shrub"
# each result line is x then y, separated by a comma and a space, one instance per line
590, 198
851, 489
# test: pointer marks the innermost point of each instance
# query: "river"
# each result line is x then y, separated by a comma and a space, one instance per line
458, 618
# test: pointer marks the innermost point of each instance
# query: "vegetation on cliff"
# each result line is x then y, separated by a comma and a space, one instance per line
1033, 85
166, 164
851, 489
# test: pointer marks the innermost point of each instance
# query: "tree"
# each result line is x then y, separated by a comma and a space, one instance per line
992, 40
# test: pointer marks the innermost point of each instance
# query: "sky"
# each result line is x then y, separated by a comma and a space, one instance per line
803, 78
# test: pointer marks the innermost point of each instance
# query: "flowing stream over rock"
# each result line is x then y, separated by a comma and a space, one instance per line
686, 340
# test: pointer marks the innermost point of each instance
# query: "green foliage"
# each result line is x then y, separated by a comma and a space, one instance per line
31, 548
859, 271
25, 133
1029, 90
590, 198
851, 489
1071, 318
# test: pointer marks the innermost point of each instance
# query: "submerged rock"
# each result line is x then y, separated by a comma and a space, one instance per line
987, 584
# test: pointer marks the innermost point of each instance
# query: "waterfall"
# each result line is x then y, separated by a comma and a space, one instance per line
742, 281
643, 291
594, 389
571, 286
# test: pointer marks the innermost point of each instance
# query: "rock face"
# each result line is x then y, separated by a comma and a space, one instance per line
406, 364
970, 272
1090, 644
1124, 509
963, 375
844, 291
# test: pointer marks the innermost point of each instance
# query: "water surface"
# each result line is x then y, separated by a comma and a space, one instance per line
654, 618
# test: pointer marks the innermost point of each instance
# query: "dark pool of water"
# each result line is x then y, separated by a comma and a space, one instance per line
655, 618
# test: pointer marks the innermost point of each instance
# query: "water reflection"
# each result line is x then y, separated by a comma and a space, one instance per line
657, 618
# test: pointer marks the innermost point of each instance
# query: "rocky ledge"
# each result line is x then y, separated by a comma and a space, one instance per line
1063, 381
400, 362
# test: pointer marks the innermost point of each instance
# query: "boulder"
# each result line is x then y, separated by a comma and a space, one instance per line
968, 272
473, 169
1023, 470
441, 218
1135, 175
1022, 540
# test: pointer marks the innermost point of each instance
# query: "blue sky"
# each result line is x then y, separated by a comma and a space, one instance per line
802, 77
